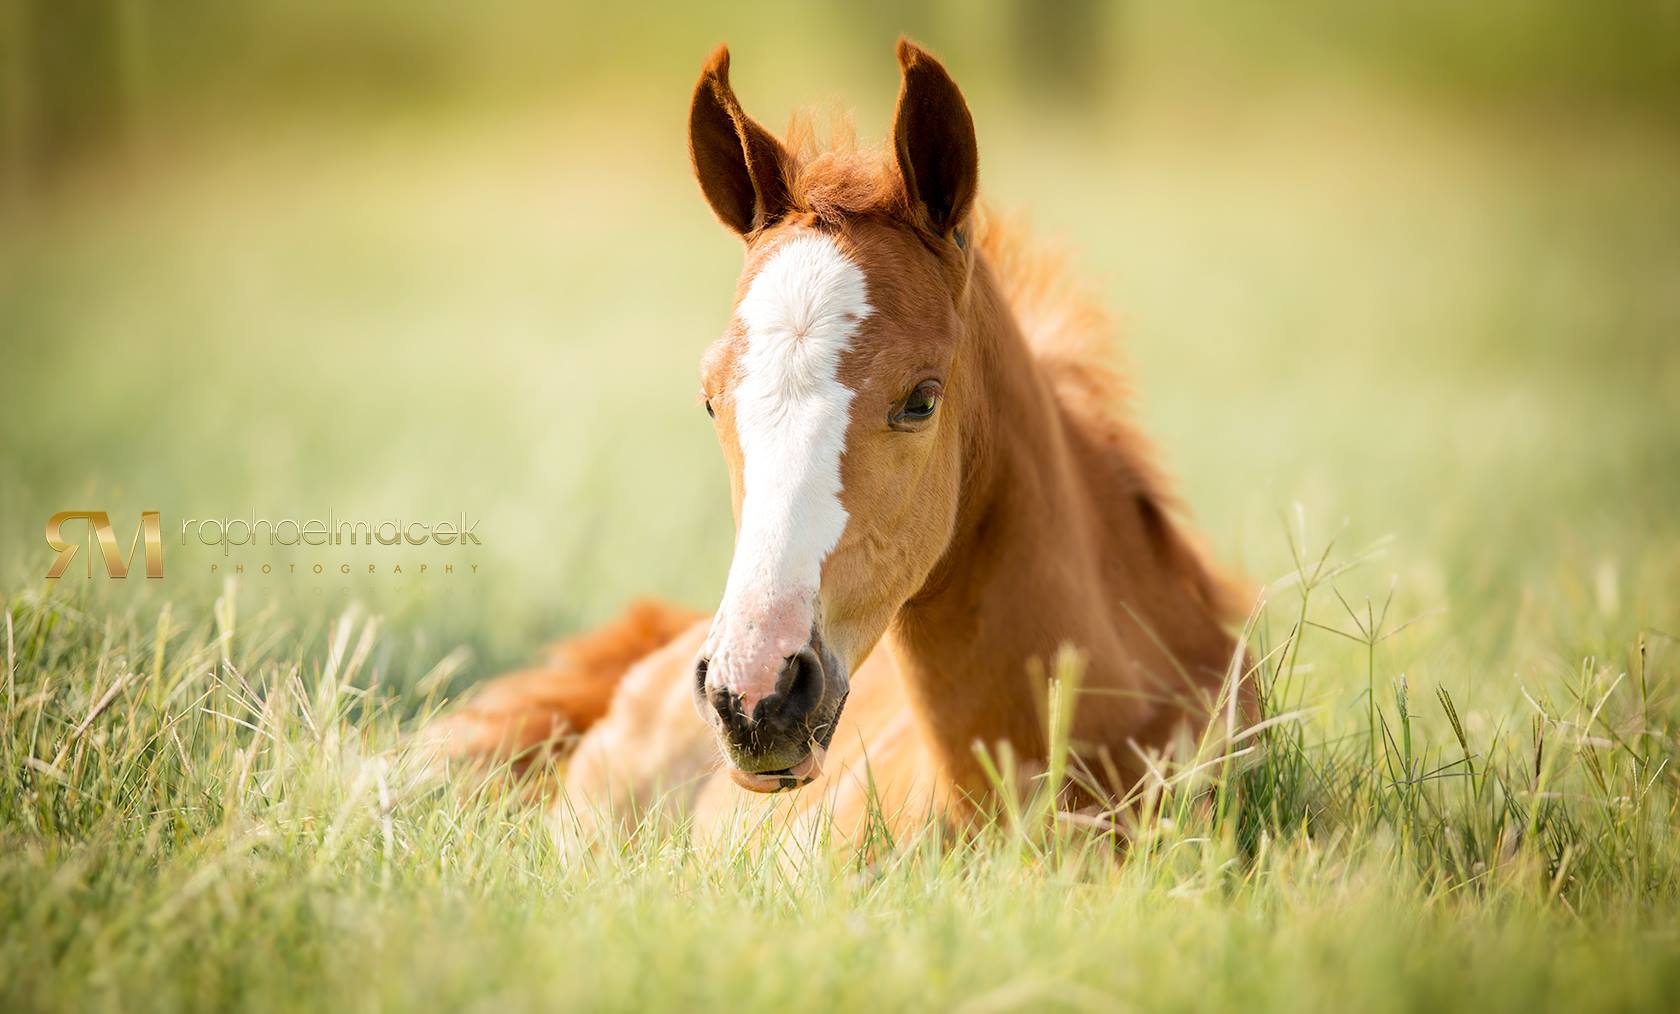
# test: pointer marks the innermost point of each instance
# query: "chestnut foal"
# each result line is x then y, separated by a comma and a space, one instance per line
932, 491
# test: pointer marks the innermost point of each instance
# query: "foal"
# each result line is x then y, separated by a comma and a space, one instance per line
932, 492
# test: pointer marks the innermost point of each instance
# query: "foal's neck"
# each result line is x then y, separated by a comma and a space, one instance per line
1059, 541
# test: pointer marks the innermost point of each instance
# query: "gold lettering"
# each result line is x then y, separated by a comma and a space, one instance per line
150, 533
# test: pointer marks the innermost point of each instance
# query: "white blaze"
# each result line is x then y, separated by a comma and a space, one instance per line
791, 412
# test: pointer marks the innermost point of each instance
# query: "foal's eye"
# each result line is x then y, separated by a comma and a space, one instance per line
708, 403
918, 406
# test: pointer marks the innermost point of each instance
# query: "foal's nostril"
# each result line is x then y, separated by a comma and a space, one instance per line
798, 688
719, 699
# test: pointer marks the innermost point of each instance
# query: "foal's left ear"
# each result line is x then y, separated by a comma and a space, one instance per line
934, 137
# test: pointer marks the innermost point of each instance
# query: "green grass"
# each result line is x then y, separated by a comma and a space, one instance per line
203, 814
1412, 364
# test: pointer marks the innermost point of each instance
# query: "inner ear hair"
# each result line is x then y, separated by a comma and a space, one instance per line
933, 138
741, 166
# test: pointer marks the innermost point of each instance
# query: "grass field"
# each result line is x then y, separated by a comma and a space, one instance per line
1407, 358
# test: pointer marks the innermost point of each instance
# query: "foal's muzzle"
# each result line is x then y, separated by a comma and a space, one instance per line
780, 744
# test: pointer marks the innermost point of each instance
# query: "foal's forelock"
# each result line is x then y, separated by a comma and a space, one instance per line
799, 316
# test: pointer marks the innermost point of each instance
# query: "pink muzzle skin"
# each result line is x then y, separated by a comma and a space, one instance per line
751, 640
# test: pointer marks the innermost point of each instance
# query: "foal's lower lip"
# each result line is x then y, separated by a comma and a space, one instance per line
800, 774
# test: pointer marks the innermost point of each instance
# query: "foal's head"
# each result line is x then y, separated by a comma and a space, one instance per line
838, 395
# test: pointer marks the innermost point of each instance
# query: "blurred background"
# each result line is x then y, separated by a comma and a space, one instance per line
1414, 268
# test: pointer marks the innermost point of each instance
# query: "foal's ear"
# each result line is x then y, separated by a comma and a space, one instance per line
742, 168
934, 137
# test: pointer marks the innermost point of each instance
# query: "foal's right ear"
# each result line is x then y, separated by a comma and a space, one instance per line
742, 168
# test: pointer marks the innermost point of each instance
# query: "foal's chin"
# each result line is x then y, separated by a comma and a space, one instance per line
761, 757
782, 743
771, 762
800, 774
